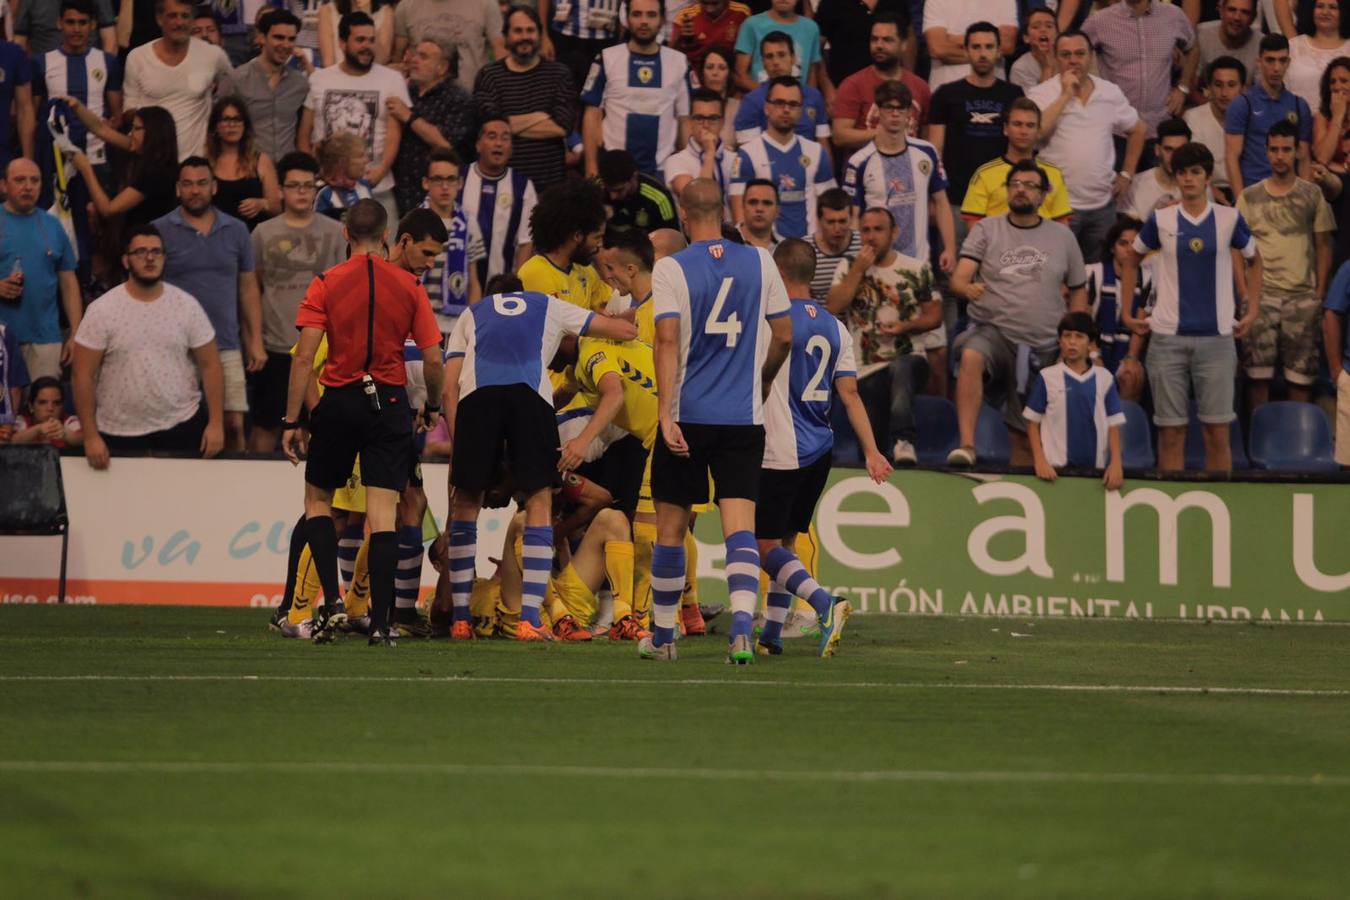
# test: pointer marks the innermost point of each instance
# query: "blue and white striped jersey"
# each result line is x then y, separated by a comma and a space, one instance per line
511, 338
723, 294
901, 182
797, 414
1075, 413
86, 78
642, 96
800, 169
502, 208
1193, 286
590, 20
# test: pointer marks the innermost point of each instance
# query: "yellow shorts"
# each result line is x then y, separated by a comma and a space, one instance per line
569, 590
352, 495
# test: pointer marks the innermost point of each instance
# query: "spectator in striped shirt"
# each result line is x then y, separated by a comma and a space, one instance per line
501, 200
835, 240
577, 31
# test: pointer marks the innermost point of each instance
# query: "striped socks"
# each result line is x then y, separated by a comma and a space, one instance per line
347, 547
776, 607
742, 581
536, 561
785, 568
463, 548
408, 581
667, 585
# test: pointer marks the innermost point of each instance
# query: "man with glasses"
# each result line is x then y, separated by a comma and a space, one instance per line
796, 166
779, 57
1013, 270
288, 250
705, 156
146, 326
452, 281
211, 258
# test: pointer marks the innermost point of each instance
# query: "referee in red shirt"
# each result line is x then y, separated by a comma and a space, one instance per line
366, 306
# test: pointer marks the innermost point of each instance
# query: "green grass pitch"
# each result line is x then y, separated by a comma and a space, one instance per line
203, 757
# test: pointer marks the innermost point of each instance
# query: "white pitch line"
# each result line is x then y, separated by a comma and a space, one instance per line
172, 767
713, 682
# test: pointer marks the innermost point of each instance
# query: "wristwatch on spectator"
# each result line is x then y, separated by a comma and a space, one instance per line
1128, 176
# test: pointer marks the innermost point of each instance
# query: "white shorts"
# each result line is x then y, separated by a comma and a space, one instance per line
236, 390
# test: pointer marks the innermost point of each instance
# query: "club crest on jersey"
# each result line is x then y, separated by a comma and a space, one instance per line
811, 310
786, 182
925, 167
644, 74
1197, 245
504, 200
98, 74
1292, 117
810, 112
804, 160
716, 250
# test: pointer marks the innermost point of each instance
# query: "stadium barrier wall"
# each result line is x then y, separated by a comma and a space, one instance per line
184, 531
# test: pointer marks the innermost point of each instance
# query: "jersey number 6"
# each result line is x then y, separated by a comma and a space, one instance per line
508, 305
731, 325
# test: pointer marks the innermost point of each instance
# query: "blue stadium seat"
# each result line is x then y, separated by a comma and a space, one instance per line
1293, 437
938, 434
991, 437
1195, 445
1136, 438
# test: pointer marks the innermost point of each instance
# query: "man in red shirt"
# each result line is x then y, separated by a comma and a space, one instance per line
855, 109
712, 23
366, 306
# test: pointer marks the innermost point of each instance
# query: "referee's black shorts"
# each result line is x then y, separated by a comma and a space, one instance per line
343, 425
788, 497
732, 453
509, 423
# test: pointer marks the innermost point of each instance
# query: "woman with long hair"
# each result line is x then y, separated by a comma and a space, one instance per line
44, 420
714, 74
151, 145
1331, 125
1311, 52
246, 178
330, 14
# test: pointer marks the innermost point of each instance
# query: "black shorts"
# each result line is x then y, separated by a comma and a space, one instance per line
732, 453
788, 497
267, 390
619, 470
343, 425
508, 423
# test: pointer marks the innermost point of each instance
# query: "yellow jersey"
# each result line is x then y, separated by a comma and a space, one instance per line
631, 362
644, 318
987, 194
579, 285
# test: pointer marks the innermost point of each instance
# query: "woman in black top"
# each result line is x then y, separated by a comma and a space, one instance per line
148, 183
246, 179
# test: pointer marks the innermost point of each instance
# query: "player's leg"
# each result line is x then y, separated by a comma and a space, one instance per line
297, 547
350, 542
537, 556
531, 432
474, 461
691, 617
412, 508
606, 554
668, 570
321, 536
381, 506
735, 461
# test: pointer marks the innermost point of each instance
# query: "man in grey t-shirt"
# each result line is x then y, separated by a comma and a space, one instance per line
1015, 270
288, 252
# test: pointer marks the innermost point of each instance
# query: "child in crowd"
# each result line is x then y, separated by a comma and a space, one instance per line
343, 161
1073, 412
42, 421
1121, 349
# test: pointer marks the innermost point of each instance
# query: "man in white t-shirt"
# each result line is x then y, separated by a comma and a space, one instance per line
1225, 78
177, 72
944, 31
135, 383
350, 96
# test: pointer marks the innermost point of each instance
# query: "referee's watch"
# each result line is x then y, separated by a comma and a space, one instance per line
290, 426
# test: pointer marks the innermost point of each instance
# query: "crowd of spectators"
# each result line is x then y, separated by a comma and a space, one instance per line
966, 172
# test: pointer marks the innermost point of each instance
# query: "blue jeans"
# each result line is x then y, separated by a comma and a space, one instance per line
1090, 227
888, 397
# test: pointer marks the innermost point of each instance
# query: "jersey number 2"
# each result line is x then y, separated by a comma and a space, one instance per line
731, 325
814, 393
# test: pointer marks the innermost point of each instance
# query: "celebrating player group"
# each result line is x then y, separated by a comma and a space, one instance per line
612, 419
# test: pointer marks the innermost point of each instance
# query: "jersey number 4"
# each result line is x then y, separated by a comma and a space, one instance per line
814, 392
731, 325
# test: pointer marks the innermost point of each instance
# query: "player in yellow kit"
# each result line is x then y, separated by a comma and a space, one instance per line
568, 225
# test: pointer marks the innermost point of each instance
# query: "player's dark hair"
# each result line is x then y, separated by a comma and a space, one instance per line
796, 260
1340, 62
1081, 322
1191, 155
564, 210
421, 224
616, 167
196, 162
352, 20
981, 28
1226, 62
489, 119
1283, 128
703, 95
1174, 127
297, 161
894, 92
778, 37
273, 17
366, 220
633, 242
835, 199
879, 209
528, 12
83, 7
1121, 225
145, 229
448, 155
786, 81
762, 182
1273, 43
900, 21
502, 283
1028, 165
